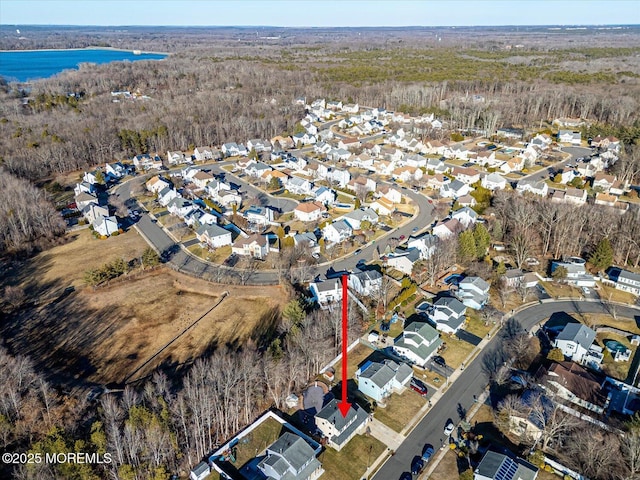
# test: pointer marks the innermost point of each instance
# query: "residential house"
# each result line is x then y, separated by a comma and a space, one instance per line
576, 273
326, 292
362, 183
290, 458
324, 195
466, 175
466, 201
351, 108
403, 260
390, 193
83, 199
93, 211
200, 471
448, 314
146, 162
506, 132
233, 149
624, 280
365, 282
256, 246
569, 122
417, 343
309, 211
513, 165
337, 231
307, 239
384, 167
415, 160
180, 207
455, 189
322, 148
435, 147
334, 105
166, 195
466, 216
269, 175
569, 136
618, 188
349, 143
379, 380
205, 153
609, 143
259, 145
537, 187
200, 217
425, 243
605, 199
575, 340
299, 186
156, 184
541, 141
201, 179
603, 182
356, 217
115, 170
575, 196
498, 466
257, 169
304, 138
436, 166
176, 157
339, 429
447, 228
261, 216
437, 181
213, 236
407, 174
571, 382
473, 292
105, 225
494, 181
338, 176
279, 143
515, 277
486, 158
383, 206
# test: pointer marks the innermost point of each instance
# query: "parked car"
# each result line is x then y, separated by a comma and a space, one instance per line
586, 291
416, 465
440, 361
402, 237
448, 428
418, 386
427, 453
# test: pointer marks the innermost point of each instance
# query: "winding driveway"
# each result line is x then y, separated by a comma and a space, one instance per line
472, 381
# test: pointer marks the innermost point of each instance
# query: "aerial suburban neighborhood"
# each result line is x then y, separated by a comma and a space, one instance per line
322, 253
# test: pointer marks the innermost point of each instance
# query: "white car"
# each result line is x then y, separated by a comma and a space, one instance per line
448, 429
586, 291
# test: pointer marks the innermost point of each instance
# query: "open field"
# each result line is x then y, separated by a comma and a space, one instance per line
104, 335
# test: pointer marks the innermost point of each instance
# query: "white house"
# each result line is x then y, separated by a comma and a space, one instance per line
326, 292
115, 170
379, 380
337, 231
233, 149
256, 246
466, 175
299, 186
447, 228
356, 217
383, 206
365, 282
213, 236
206, 153
575, 340
156, 184
417, 343
324, 195
166, 195
259, 215
537, 187
176, 157
448, 314
425, 243
105, 226
180, 207
576, 273
569, 136
466, 216
474, 292
454, 189
309, 211
403, 260
624, 280
494, 181
338, 429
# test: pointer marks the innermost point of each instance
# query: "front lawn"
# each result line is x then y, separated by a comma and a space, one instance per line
614, 295
475, 324
456, 352
400, 409
352, 461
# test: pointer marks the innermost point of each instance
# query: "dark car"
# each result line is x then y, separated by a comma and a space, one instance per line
439, 360
418, 386
406, 476
427, 453
416, 465
402, 237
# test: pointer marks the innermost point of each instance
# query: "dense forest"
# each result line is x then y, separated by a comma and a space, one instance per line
232, 86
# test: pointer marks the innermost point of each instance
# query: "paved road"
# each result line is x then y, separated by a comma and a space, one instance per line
575, 152
472, 381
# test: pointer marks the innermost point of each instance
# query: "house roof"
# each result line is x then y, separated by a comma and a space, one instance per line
361, 214
329, 285
477, 282
308, 207
425, 331
498, 466
212, 231
379, 373
341, 226
579, 381
293, 449
579, 333
450, 303
261, 240
332, 413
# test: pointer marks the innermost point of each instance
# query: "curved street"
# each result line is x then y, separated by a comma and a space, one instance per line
472, 381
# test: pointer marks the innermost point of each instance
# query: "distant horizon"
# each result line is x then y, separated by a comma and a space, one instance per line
320, 13
576, 26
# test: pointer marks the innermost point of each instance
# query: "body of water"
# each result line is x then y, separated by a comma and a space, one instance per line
23, 66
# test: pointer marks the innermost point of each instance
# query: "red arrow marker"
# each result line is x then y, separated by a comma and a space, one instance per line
344, 405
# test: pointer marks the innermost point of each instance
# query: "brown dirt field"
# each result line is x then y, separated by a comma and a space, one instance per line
104, 335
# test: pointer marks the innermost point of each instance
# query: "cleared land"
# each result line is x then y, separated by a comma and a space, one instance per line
105, 334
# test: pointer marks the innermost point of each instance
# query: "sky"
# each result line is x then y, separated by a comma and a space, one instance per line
319, 13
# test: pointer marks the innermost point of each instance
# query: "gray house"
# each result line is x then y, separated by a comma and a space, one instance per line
497, 466
290, 458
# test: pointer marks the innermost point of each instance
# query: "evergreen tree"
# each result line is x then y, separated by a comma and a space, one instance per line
482, 239
293, 313
467, 246
602, 256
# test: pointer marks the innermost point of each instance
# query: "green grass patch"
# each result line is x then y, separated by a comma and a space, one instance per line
257, 441
352, 461
475, 324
